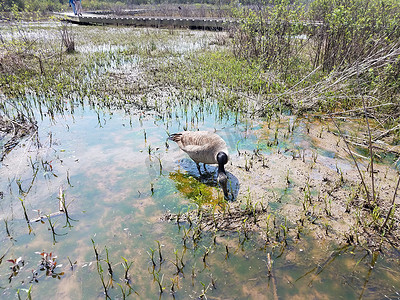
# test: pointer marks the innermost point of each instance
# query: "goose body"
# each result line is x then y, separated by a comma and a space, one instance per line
207, 148
201, 146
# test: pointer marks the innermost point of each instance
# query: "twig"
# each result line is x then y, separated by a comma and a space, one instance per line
272, 277
361, 108
391, 206
352, 156
387, 132
371, 152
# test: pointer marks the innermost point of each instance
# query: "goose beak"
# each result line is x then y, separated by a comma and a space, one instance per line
223, 182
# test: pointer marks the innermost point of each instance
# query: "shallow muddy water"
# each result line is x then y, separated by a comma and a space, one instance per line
120, 177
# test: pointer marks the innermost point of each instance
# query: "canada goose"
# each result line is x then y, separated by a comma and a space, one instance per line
207, 148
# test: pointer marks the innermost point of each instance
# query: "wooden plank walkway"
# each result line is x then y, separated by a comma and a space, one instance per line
159, 22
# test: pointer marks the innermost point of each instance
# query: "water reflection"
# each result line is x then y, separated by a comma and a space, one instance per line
208, 177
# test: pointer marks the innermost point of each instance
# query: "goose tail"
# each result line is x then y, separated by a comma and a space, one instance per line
176, 137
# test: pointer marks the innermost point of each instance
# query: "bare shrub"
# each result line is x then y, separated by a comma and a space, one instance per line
270, 34
67, 38
352, 30
319, 57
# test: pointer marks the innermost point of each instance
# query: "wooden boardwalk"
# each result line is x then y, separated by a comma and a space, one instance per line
159, 22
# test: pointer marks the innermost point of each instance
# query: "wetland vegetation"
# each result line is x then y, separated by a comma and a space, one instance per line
95, 203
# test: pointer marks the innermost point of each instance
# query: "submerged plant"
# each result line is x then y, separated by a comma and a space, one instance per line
26, 216
53, 231
48, 263
17, 264
100, 272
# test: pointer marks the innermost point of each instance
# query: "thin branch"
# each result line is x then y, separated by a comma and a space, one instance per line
391, 206
352, 156
371, 153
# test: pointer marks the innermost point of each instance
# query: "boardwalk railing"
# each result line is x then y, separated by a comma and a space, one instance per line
192, 23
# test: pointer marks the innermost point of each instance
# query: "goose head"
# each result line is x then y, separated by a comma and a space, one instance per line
222, 159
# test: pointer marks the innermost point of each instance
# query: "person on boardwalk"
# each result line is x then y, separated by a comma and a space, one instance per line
78, 5
72, 4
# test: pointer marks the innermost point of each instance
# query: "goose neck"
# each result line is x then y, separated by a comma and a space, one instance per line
221, 168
